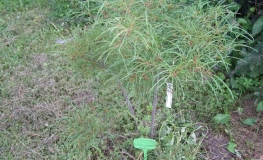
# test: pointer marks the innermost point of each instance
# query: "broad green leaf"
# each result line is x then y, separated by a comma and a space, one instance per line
248, 21
192, 139
250, 121
164, 131
242, 21
260, 106
258, 26
169, 139
231, 147
234, 7
252, 9
222, 118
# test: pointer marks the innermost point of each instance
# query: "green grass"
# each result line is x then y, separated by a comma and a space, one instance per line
37, 86
7, 6
46, 106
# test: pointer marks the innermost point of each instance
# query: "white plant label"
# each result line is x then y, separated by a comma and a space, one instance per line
169, 96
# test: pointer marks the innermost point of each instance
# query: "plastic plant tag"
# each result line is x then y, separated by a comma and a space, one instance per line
144, 144
169, 96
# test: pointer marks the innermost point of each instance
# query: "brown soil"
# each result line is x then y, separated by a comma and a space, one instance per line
248, 138
215, 146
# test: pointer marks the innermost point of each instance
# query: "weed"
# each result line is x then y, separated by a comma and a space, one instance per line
178, 137
70, 13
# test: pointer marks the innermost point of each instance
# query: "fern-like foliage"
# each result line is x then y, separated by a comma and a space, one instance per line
252, 62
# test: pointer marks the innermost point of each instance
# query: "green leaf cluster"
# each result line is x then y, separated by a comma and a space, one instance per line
252, 62
134, 42
174, 41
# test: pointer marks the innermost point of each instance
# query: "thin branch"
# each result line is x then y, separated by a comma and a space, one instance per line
132, 157
128, 102
154, 108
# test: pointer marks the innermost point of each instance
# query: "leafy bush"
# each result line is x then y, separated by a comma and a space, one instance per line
252, 62
248, 63
136, 42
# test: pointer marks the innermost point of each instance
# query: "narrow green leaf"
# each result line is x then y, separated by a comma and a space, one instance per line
260, 106
231, 147
250, 121
222, 118
258, 26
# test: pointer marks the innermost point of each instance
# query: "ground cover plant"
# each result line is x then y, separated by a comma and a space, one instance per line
82, 79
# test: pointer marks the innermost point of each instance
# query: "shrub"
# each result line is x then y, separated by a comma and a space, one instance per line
137, 41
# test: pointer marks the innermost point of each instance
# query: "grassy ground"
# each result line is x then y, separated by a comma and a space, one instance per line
48, 109
51, 110
39, 88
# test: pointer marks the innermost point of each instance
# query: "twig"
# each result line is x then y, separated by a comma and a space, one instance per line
139, 156
128, 103
127, 99
123, 152
154, 108
54, 26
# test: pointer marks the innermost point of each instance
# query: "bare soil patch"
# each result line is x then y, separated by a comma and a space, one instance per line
248, 138
215, 146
